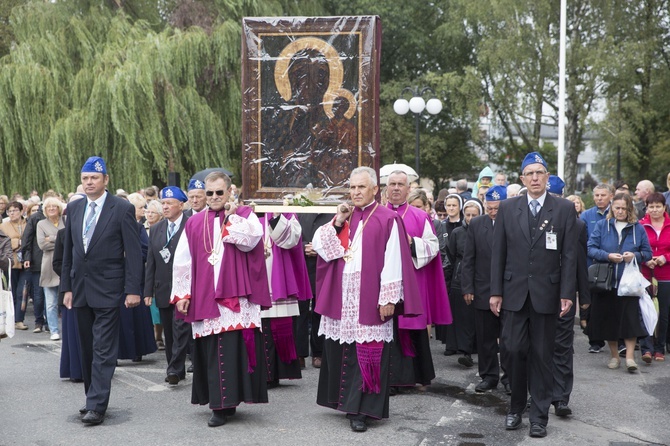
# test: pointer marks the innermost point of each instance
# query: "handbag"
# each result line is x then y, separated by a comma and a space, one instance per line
632, 282
600, 277
6, 308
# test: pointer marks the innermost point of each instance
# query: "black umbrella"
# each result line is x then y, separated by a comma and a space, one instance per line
200, 176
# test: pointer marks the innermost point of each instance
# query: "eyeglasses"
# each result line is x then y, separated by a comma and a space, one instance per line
210, 193
442, 214
532, 173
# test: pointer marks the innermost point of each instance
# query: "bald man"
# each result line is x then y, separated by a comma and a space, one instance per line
642, 191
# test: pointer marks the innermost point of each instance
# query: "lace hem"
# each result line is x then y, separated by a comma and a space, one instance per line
332, 247
348, 329
391, 293
249, 316
243, 233
181, 283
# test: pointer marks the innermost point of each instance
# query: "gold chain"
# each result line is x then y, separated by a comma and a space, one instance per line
208, 235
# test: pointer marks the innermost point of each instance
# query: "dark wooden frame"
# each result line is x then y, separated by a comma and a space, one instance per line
367, 113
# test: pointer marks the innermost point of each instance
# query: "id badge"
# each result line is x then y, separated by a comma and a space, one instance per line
165, 253
551, 241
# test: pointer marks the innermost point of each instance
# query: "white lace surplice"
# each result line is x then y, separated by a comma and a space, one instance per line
243, 233
286, 235
349, 329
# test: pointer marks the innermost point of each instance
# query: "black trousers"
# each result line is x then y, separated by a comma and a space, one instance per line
308, 330
527, 346
487, 327
464, 322
99, 343
563, 357
177, 335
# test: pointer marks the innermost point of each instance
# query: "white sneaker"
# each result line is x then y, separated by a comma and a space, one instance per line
55, 337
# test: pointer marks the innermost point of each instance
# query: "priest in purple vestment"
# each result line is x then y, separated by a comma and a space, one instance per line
411, 359
364, 277
289, 283
218, 262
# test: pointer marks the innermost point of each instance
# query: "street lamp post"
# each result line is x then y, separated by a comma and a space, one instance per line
417, 105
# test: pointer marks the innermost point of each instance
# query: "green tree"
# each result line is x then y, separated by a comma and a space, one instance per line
414, 55
637, 123
514, 53
141, 83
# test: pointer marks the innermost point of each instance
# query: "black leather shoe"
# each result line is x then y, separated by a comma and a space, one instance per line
466, 360
537, 430
217, 419
512, 421
508, 389
92, 417
190, 369
485, 386
562, 409
83, 410
393, 391
172, 379
358, 425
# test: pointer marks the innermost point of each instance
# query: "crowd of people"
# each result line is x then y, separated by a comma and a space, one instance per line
241, 299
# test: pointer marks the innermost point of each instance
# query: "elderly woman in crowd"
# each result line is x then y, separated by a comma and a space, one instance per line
618, 240
154, 214
140, 204
47, 230
657, 225
14, 228
579, 204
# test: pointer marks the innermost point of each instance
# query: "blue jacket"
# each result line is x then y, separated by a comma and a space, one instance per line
605, 240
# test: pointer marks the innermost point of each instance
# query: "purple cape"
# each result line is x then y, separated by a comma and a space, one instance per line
239, 277
377, 232
430, 278
289, 270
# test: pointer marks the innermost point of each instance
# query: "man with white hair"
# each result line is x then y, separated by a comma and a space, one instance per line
642, 191
365, 240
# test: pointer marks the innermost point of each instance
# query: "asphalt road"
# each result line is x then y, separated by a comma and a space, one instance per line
611, 407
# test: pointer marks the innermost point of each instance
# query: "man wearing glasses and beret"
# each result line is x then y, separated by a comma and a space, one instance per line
216, 288
533, 277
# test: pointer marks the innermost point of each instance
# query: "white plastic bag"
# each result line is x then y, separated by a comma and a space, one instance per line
6, 310
632, 281
649, 314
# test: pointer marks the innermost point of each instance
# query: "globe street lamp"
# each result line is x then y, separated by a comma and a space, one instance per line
417, 105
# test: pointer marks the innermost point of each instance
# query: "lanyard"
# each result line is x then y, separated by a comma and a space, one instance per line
176, 228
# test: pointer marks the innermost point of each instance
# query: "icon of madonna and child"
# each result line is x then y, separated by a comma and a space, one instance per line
309, 124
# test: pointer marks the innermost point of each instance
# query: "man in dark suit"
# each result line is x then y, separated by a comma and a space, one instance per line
565, 328
476, 288
163, 240
102, 263
533, 275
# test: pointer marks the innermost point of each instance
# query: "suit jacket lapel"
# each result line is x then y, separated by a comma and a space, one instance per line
103, 219
522, 214
488, 227
78, 224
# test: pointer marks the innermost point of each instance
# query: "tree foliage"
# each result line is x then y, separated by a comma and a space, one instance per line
120, 82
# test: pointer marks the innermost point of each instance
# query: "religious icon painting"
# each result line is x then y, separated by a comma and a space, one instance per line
310, 104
